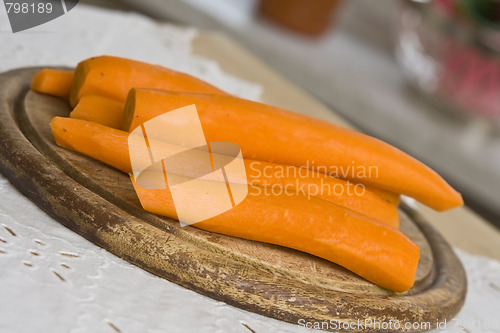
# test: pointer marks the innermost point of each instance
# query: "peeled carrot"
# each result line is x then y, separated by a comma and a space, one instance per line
355, 197
100, 142
110, 146
99, 109
379, 253
109, 112
271, 134
55, 82
393, 198
113, 77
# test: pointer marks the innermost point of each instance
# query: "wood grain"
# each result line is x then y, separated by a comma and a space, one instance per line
100, 204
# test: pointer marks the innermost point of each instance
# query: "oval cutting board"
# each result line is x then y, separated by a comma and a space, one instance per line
99, 203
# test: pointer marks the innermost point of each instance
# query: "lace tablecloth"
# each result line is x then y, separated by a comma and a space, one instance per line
53, 280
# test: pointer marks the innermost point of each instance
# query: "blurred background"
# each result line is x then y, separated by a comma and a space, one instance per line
422, 75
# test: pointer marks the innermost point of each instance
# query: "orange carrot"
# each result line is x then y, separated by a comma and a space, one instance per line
379, 253
355, 197
110, 146
113, 77
393, 198
99, 109
54, 82
109, 112
271, 134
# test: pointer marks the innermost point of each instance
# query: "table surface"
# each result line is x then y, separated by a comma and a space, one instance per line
462, 228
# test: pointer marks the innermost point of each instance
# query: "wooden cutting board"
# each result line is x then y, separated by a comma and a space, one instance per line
99, 203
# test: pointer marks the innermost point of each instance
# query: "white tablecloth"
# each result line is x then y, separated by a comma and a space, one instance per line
53, 280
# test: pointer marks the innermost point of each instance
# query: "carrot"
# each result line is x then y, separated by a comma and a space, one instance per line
379, 253
271, 134
54, 82
393, 198
355, 197
109, 112
110, 146
100, 142
99, 109
113, 77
